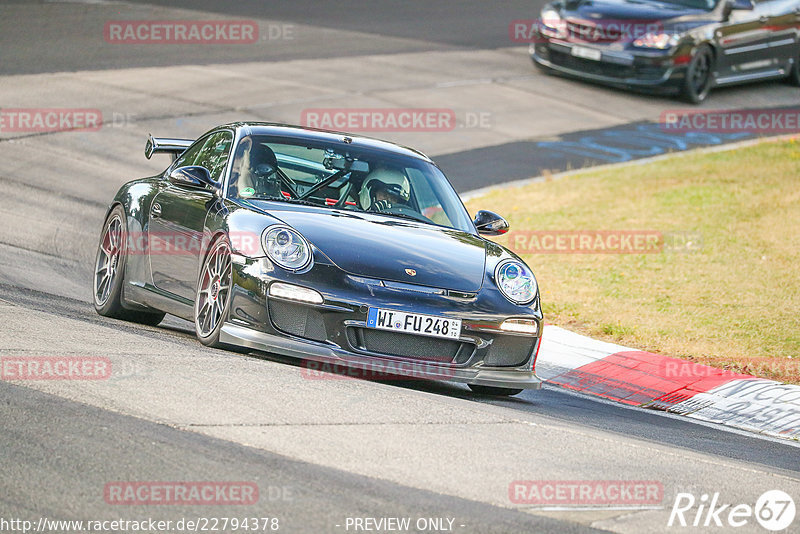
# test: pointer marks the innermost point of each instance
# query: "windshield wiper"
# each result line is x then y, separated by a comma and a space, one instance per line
402, 216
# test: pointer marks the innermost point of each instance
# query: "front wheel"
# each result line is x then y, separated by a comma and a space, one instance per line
495, 392
213, 294
109, 273
699, 75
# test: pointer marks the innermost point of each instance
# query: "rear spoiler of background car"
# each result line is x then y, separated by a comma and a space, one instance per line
174, 147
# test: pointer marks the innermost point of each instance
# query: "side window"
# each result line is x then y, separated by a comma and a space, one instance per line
211, 152
190, 155
214, 154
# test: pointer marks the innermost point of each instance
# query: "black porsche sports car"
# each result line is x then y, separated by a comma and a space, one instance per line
670, 46
323, 246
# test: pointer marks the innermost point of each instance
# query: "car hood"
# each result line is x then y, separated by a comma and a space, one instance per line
383, 247
636, 10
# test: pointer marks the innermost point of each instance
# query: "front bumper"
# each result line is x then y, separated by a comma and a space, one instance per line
654, 72
375, 366
335, 331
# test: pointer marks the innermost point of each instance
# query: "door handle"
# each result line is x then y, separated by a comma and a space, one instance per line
763, 19
156, 211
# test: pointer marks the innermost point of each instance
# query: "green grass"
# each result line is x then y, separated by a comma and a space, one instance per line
734, 303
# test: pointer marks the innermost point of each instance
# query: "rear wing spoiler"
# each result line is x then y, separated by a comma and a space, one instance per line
158, 145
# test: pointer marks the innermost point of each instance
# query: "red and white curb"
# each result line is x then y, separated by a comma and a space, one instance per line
658, 382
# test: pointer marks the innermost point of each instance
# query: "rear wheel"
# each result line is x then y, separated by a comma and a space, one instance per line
213, 294
699, 75
109, 273
496, 392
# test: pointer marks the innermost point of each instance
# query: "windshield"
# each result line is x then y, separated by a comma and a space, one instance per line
364, 180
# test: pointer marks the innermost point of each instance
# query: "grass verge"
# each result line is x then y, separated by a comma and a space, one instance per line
729, 298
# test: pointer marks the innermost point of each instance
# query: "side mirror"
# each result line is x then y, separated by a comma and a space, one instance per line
193, 176
488, 223
734, 5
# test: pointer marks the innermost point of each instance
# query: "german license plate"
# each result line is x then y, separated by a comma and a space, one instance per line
586, 53
413, 323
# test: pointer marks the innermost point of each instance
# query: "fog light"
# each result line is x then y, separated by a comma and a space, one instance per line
520, 326
291, 292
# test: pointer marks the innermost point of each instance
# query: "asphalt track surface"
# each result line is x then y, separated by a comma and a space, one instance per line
175, 410
100, 446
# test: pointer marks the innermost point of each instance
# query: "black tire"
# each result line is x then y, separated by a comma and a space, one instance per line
794, 74
493, 391
699, 75
109, 273
213, 293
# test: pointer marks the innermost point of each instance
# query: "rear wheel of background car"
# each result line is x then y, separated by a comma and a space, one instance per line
213, 293
794, 74
497, 392
699, 75
109, 273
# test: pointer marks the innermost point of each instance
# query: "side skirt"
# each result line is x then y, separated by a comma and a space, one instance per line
149, 296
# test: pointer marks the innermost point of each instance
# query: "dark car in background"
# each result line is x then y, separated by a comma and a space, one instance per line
670, 46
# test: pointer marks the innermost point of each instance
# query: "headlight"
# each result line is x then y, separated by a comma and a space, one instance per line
287, 248
552, 23
516, 282
661, 41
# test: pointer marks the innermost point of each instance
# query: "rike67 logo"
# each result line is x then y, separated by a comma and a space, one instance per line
774, 510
